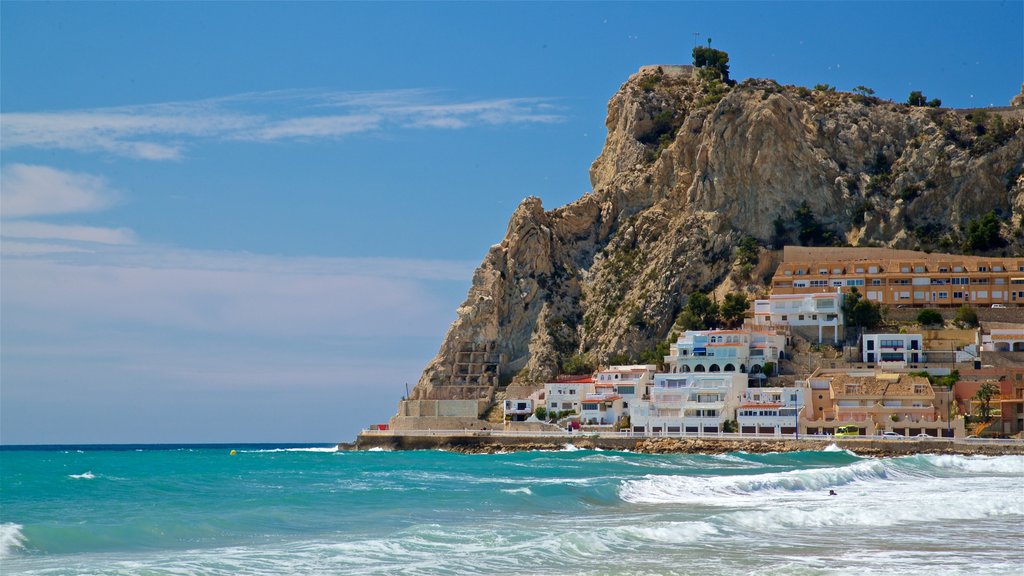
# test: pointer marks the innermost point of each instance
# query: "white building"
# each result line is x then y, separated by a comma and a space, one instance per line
1006, 338
901, 348
566, 393
823, 312
775, 410
627, 381
517, 410
602, 409
744, 351
688, 403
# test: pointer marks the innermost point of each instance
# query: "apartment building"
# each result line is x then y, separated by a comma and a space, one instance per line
809, 313
567, 392
902, 277
899, 348
772, 410
691, 403
744, 351
878, 401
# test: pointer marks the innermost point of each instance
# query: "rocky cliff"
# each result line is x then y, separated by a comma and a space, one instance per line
691, 167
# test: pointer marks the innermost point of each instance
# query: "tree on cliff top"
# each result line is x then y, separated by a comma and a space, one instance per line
708, 57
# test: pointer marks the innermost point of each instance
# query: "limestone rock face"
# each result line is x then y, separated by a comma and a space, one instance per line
689, 168
1018, 100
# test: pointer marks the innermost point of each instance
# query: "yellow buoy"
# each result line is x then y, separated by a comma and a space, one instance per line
233, 453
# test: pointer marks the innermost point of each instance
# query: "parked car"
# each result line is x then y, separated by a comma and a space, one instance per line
891, 436
848, 431
923, 436
999, 305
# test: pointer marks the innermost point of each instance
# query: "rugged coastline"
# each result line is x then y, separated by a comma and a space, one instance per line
487, 442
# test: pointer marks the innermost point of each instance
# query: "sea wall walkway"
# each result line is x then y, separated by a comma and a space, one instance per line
490, 441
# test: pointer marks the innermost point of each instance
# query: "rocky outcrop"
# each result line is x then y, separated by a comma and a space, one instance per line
1018, 100
690, 167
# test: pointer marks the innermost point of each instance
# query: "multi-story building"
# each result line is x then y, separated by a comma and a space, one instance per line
627, 381
902, 277
901, 348
822, 313
774, 410
744, 351
567, 392
688, 403
1002, 337
877, 401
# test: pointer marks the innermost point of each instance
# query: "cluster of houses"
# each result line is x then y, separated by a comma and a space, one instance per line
727, 380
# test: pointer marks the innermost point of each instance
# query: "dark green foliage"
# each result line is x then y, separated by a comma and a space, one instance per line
929, 317
746, 252
700, 313
966, 317
910, 192
718, 60
780, 233
809, 231
648, 83
768, 368
990, 130
934, 103
662, 132
983, 234
803, 91
541, 413
859, 211
657, 354
578, 364
733, 309
619, 359
863, 91
730, 426
824, 88
859, 311
916, 98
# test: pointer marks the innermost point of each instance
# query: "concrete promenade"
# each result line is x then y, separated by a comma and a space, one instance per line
490, 441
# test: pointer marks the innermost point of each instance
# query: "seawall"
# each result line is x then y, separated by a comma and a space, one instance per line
484, 441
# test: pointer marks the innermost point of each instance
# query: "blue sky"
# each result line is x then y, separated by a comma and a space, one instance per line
227, 222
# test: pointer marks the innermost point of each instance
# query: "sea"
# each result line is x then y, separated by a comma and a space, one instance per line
276, 510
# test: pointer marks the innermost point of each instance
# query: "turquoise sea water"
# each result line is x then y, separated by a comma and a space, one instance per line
267, 510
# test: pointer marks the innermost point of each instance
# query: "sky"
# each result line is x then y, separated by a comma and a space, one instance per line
253, 222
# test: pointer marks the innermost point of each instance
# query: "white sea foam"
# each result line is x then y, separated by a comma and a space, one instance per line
376, 449
11, 538
310, 449
83, 476
1011, 465
569, 448
523, 490
833, 447
728, 490
671, 532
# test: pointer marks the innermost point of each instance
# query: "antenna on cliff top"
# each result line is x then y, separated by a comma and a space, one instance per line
696, 36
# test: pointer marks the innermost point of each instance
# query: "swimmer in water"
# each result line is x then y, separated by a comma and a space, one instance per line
832, 493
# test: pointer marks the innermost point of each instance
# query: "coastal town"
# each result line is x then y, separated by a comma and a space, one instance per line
947, 362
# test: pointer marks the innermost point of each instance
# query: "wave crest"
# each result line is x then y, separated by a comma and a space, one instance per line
11, 538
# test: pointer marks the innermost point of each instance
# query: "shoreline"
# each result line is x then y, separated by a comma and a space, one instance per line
478, 442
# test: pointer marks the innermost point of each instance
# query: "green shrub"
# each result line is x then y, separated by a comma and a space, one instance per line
966, 317
929, 317
578, 364
541, 413
983, 234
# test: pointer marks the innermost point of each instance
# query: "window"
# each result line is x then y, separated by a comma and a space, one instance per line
904, 269
858, 282
943, 295
872, 269
958, 294
859, 269
982, 268
918, 269
819, 283
876, 282
997, 268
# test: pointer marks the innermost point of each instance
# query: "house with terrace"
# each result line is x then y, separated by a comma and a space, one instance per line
772, 410
877, 401
692, 403
744, 351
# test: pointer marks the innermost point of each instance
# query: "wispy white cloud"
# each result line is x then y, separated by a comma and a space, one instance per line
24, 229
165, 131
27, 190
227, 293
